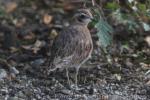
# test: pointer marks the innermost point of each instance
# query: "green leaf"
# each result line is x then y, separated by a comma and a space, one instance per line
104, 33
2, 12
142, 7
104, 29
112, 5
126, 19
146, 26
148, 13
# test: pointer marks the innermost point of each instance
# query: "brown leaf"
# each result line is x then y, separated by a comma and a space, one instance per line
13, 49
10, 7
20, 22
47, 19
27, 47
30, 36
148, 83
147, 39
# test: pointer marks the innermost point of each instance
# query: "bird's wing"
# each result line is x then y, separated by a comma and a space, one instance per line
64, 45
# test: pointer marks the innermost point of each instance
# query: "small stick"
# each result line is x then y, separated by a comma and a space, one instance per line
93, 2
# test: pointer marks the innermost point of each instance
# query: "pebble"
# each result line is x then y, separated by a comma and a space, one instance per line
3, 74
116, 97
15, 98
37, 62
4, 91
14, 70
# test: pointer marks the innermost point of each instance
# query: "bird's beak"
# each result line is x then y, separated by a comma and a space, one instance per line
91, 17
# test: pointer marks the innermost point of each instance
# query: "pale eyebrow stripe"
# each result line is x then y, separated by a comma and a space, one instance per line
83, 14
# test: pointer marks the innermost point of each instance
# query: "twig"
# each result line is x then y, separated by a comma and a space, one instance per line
93, 2
85, 2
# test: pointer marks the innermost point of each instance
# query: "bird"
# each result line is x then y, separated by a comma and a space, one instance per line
73, 45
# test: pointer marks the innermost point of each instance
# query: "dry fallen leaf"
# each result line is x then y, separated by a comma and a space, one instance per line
53, 34
148, 83
69, 5
20, 22
13, 49
144, 65
27, 47
10, 7
38, 43
47, 19
117, 76
37, 46
29, 36
147, 39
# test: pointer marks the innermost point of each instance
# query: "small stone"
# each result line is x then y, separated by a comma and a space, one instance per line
27, 92
4, 91
3, 74
116, 97
37, 62
95, 90
14, 70
147, 75
20, 95
15, 98
65, 91
129, 63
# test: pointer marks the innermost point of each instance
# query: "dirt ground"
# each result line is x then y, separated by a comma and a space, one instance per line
123, 74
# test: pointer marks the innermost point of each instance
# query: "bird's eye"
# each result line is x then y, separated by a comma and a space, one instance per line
82, 16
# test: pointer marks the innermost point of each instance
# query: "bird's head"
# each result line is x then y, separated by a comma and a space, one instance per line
83, 16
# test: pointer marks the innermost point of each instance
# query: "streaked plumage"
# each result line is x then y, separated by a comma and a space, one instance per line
73, 46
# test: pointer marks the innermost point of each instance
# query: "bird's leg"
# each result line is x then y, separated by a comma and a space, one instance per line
76, 77
67, 75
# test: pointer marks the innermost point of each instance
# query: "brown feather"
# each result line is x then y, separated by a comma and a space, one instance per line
73, 46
